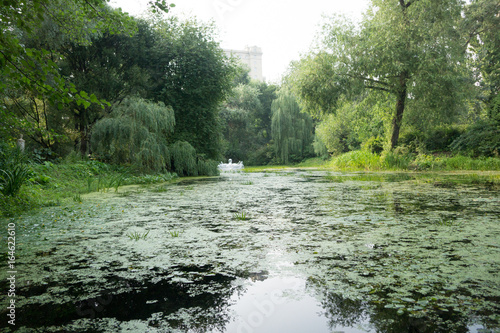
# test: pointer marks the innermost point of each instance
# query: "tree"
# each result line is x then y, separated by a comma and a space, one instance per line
481, 27
292, 130
411, 49
34, 69
238, 121
193, 75
137, 133
113, 67
35, 35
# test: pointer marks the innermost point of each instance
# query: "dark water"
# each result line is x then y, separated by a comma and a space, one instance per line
265, 252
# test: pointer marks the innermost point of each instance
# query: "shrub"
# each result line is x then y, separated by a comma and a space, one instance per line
185, 161
374, 145
441, 137
12, 179
14, 171
320, 148
482, 138
399, 158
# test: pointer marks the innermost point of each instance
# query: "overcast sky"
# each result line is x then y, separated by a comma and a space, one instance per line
282, 28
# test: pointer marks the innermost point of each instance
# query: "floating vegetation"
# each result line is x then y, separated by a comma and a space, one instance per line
248, 182
380, 252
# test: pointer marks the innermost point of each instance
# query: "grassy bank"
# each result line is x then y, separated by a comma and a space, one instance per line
363, 160
50, 184
367, 161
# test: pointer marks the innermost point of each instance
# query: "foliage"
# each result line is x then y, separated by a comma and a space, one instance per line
50, 184
402, 159
480, 139
186, 162
292, 130
192, 74
480, 25
337, 134
246, 123
355, 124
135, 133
239, 117
174, 233
14, 171
25, 68
12, 180
114, 67
356, 160
184, 159
320, 148
398, 48
242, 216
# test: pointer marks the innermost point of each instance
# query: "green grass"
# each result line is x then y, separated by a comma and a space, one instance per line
50, 184
316, 162
137, 235
175, 234
363, 160
242, 216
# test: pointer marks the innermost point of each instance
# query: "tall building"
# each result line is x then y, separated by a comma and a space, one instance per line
252, 57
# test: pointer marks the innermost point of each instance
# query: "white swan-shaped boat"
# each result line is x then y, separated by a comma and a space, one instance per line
230, 166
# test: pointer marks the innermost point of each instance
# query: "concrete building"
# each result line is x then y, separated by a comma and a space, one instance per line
252, 57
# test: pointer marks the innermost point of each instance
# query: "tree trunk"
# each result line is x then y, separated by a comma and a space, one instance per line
83, 141
82, 129
400, 107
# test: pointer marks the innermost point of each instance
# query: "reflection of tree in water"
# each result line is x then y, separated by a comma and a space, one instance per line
341, 311
195, 306
345, 312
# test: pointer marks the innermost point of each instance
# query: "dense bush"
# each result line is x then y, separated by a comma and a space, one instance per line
374, 145
337, 134
441, 137
480, 139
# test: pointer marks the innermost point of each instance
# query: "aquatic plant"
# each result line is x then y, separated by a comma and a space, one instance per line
248, 182
77, 198
116, 181
175, 233
137, 235
242, 216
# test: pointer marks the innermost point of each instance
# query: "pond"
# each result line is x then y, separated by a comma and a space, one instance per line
287, 251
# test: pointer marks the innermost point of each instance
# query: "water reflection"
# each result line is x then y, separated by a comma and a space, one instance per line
280, 304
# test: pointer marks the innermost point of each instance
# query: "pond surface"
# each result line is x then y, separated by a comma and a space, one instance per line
291, 251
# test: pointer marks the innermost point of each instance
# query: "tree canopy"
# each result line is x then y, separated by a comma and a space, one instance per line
292, 130
412, 50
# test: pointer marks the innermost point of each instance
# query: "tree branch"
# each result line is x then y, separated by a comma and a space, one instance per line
360, 77
408, 4
379, 88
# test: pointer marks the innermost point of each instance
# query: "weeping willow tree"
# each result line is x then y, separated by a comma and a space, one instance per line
136, 133
186, 162
292, 130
